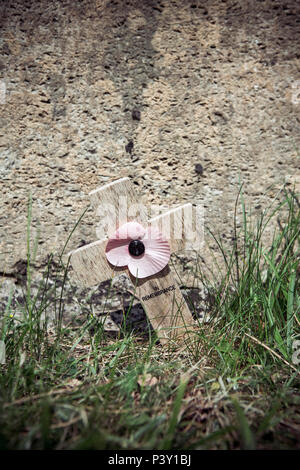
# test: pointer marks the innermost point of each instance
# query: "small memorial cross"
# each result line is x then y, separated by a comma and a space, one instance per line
130, 243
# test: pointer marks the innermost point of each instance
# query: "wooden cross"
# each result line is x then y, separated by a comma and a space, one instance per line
159, 294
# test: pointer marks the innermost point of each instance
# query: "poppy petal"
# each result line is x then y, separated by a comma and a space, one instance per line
130, 231
156, 256
117, 252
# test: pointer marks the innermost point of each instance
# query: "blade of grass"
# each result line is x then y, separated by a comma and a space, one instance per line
248, 440
167, 442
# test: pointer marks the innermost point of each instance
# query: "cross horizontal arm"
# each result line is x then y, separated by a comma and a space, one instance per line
90, 263
177, 227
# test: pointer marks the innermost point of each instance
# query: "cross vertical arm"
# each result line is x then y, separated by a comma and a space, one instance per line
165, 305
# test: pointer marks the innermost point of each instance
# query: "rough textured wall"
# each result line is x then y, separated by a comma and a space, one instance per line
215, 82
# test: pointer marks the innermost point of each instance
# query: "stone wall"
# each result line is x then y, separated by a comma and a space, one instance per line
216, 84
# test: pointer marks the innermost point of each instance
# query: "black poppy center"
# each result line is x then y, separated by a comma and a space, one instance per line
136, 247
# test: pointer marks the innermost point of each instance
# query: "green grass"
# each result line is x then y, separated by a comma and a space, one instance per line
234, 387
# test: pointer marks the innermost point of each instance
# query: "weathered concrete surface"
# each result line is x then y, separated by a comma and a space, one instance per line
217, 83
